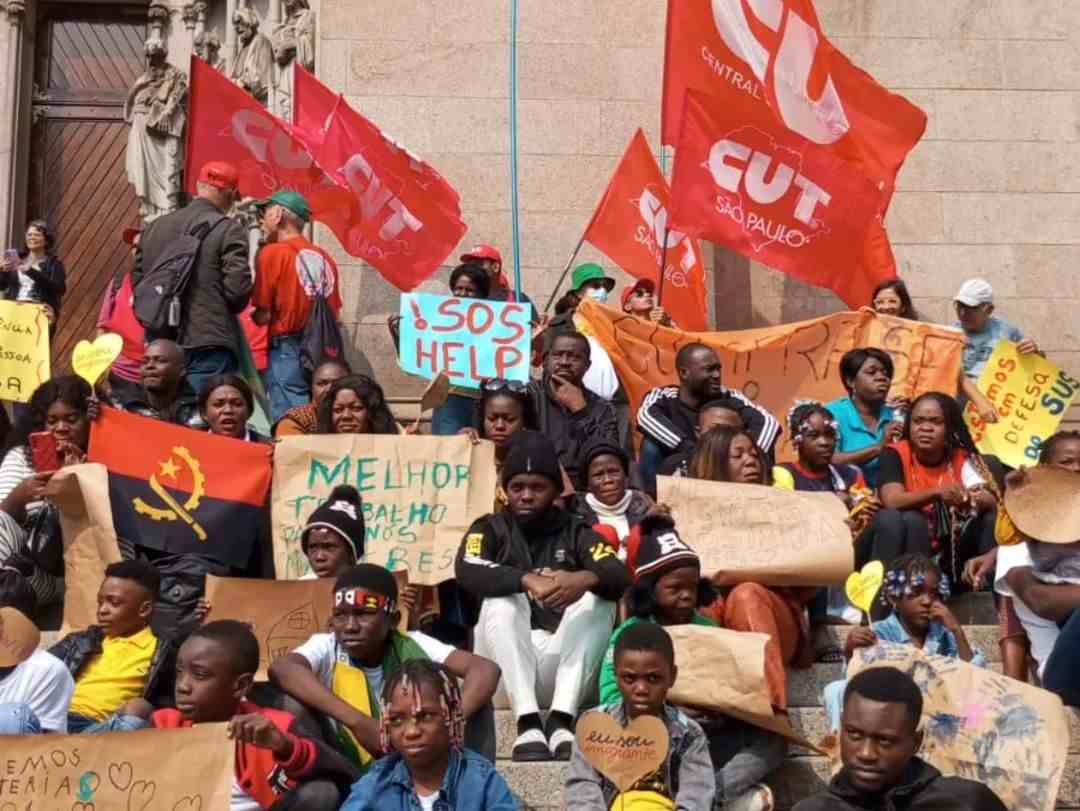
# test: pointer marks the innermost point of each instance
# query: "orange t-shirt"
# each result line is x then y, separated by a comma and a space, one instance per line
286, 277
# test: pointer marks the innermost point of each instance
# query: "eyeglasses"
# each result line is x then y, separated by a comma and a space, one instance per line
497, 384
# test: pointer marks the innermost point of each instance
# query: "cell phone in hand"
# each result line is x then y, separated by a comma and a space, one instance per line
11, 258
44, 452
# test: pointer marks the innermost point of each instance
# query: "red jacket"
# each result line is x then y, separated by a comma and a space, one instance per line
258, 772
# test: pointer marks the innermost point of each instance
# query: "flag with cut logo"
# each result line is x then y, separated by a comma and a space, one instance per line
630, 226
744, 181
179, 490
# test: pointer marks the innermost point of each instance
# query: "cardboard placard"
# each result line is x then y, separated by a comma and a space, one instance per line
436, 393
91, 360
1031, 395
420, 494
81, 493
19, 637
862, 587
983, 726
24, 361
470, 340
761, 534
1047, 506
623, 755
121, 771
777, 365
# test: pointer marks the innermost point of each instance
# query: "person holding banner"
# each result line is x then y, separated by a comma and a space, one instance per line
466, 281
165, 394
356, 405
304, 419
546, 585
505, 407
640, 300
891, 297
725, 412
225, 405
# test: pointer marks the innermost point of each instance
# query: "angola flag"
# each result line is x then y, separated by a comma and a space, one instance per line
178, 490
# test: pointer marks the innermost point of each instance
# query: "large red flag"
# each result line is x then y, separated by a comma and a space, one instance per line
408, 216
630, 226
745, 181
773, 52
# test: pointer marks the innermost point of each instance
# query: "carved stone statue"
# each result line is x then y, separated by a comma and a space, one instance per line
253, 69
156, 110
208, 47
294, 41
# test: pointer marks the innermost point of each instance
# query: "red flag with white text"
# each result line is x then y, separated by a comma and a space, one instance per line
743, 180
630, 226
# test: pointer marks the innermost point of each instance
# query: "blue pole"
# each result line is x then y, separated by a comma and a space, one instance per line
514, 150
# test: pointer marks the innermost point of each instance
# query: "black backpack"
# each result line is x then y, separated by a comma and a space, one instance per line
321, 338
160, 292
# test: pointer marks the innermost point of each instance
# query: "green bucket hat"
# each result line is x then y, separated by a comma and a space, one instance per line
588, 272
291, 200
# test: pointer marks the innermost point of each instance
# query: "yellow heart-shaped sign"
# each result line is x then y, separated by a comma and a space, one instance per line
91, 360
862, 587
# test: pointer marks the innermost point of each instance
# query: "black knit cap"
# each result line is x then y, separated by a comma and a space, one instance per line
369, 577
600, 447
341, 513
661, 551
531, 452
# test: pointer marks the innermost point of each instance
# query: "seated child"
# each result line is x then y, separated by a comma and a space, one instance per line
917, 590
333, 538
422, 726
35, 690
277, 765
644, 663
341, 674
667, 591
119, 658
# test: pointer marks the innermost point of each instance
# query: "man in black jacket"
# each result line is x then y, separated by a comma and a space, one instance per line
221, 280
879, 737
568, 413
547, 585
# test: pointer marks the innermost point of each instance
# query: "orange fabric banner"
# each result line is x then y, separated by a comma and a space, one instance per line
775, 366
630, 226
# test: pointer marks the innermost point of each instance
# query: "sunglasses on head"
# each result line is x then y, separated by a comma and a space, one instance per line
496, 384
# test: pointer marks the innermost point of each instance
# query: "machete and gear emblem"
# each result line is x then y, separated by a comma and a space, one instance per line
173, 510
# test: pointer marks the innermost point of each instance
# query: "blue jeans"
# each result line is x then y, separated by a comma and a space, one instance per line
18, 719
81, 725
286, 384
1062, 673
202, 364
456, 413
650, 458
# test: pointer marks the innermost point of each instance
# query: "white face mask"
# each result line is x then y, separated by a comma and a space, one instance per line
597, 294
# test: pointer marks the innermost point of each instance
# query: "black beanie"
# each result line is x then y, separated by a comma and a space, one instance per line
368, 577
341, 513
531, 452
660, 551
599, 447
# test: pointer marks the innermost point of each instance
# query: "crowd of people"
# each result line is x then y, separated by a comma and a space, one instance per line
561, 596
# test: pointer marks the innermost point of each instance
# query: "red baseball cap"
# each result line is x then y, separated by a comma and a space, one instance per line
220, 174
129, 235
640, 284
483, 252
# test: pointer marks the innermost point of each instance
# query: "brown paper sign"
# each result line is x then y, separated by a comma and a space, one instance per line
983, 726
762, 534
19, 638
436, 393
420, 494
623, 754
120, 771
1047, 506
81, 493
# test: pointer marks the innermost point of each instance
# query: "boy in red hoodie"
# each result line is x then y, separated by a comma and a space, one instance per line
276, 768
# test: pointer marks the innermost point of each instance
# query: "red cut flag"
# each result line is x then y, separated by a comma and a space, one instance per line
227, 124
745, 181
773, 52
630, 226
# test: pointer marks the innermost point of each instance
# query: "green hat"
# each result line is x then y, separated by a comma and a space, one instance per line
291, 200
588, 272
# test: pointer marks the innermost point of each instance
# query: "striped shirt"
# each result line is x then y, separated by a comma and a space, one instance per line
668, 421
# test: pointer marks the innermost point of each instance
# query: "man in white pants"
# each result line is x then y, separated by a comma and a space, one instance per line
547, 586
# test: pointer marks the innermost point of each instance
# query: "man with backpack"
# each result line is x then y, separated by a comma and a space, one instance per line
191, 277
297, 293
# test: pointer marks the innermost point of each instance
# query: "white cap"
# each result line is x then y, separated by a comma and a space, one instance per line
974, 292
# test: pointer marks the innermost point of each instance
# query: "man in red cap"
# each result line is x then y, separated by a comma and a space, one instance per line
640, 300
489, 258
220, 283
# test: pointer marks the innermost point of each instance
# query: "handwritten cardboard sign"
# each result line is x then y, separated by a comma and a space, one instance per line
91, 360
777, 365
24, 350
420, 494
1031, 396
124, 771
762, 534
19, 637
623, 755
468, 339
1046, 507
983, 726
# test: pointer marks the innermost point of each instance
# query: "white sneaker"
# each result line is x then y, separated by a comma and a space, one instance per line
758, 798
561, 744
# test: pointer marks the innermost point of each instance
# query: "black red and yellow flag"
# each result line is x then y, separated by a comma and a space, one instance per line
178, 490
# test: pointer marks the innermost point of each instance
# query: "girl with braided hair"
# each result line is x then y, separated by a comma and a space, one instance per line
422, 725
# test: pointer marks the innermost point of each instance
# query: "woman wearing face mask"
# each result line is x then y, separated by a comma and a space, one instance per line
590, 281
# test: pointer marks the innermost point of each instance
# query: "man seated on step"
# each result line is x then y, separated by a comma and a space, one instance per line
165, 393
547, 585
341, 674
879, 736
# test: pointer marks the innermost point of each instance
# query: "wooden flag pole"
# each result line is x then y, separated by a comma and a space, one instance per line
663, 266
565, 272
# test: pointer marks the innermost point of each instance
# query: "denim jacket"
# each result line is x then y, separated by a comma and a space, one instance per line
471, 784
